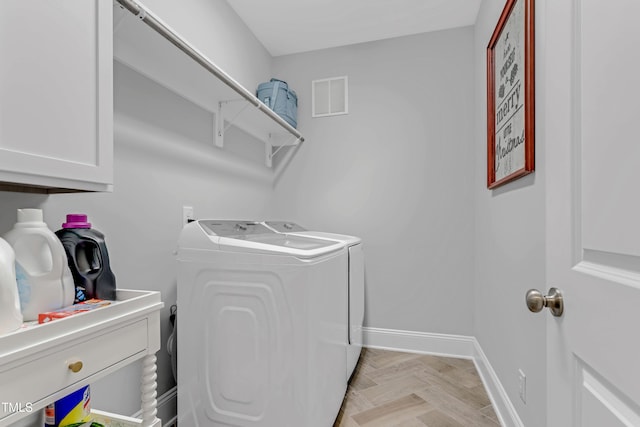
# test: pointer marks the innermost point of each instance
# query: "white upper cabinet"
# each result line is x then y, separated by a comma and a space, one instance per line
56, 94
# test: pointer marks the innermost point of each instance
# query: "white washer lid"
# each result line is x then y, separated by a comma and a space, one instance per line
249, 236
284, 226
343, 238
293, 228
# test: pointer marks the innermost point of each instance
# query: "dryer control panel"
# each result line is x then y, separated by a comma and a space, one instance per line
234, 228
285, 226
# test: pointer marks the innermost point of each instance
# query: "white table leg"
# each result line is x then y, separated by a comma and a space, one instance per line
148, 389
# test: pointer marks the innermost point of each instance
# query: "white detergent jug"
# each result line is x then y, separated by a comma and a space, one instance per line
42, 273
10, 315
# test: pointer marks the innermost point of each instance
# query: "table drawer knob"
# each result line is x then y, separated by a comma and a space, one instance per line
75, 366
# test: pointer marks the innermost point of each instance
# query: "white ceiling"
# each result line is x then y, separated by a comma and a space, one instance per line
293, 26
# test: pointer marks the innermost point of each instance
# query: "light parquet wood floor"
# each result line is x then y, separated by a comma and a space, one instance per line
393, 389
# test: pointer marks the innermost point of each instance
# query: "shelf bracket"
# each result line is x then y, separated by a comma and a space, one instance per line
270, 154
220, 128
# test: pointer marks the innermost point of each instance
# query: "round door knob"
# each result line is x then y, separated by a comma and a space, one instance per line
536, 301
75, 367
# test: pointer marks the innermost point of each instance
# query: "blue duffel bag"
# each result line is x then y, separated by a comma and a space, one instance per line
282, 100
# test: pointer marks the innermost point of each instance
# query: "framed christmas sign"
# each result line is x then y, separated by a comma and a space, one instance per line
510, 95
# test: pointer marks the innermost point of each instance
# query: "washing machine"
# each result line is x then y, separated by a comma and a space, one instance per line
262, 323
354, 278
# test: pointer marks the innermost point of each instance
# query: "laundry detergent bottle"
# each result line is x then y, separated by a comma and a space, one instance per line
42, 274
88, 259
10, 314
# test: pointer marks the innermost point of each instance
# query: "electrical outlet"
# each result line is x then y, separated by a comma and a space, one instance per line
522, 385
187, 215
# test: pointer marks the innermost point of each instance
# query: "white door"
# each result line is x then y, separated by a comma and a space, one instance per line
590, 101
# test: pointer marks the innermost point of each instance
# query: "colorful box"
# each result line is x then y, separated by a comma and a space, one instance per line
81, 307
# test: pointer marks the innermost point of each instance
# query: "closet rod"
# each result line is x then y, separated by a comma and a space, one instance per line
172, 37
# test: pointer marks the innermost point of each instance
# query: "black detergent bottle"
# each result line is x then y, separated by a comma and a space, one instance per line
88, 259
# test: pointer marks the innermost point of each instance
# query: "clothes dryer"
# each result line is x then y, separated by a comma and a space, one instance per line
262, 321
354, 283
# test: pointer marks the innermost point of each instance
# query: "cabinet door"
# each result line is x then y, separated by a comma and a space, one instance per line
56, 93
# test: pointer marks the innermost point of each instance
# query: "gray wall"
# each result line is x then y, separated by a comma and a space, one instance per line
397, 171
164, 159
510, 254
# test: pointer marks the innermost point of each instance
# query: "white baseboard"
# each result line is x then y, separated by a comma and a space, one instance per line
167, 407
420, 342
501, 403
465, 347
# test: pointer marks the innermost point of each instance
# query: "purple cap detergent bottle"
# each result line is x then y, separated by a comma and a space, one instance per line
88, 259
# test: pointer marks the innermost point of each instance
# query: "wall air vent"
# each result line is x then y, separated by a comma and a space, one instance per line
330, 97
